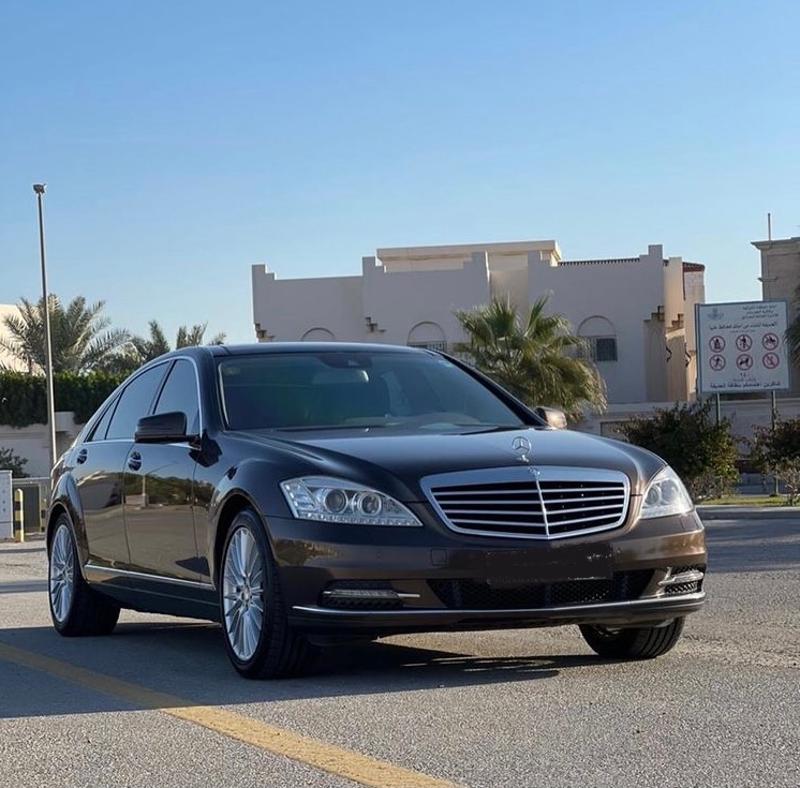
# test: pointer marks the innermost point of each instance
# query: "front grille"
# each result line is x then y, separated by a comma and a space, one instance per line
480, 595
534, 503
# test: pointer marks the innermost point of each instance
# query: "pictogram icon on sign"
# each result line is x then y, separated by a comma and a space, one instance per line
771, 360
770, 341
744, 342
744, 362
717, 343
717, 363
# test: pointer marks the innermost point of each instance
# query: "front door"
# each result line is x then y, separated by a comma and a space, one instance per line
158, 484
99, 466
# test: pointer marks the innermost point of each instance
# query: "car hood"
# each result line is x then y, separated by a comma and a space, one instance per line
371, 456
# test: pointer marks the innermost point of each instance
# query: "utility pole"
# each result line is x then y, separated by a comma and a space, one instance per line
39, 189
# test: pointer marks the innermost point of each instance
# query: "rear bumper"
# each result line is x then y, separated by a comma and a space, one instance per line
652, 611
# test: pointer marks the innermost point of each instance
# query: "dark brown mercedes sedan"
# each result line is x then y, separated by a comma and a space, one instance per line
307, 494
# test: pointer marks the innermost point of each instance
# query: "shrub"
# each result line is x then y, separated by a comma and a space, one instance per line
702, 452
12, 462
777, 452
23, 399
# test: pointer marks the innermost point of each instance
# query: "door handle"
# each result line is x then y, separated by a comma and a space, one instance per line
82, 455
135, 461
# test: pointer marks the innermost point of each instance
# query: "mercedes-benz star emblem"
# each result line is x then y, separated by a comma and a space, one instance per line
522, 447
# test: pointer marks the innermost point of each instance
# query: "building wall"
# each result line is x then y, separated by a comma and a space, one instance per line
397, 301
780, 279
289, 309
32, 442
626, 292
409, 296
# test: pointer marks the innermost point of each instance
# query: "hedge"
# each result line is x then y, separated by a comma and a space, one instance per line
23, 399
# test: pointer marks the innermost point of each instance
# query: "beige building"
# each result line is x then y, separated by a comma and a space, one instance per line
780, 279
636, 312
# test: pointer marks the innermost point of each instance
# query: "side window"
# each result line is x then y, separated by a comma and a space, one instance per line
180, 394
135, 402
99, 431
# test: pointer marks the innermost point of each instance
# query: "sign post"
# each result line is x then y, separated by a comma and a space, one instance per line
741, 349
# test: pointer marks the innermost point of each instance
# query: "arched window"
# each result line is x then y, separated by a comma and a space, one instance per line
428, 335
318, 335
601, 337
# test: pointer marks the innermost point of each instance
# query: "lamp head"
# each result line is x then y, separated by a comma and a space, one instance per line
39, 187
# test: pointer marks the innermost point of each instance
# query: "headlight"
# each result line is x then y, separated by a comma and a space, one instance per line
666, 495
338, 501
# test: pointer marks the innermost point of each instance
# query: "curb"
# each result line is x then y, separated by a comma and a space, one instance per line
749, 512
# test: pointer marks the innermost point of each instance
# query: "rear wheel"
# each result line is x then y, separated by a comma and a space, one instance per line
259, 641
634, 643
74, 607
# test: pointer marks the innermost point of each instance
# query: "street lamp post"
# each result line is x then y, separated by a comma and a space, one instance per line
39, 188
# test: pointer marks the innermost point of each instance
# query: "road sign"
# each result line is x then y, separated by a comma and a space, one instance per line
741, 347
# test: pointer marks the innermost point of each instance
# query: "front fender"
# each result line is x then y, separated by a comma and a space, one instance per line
255, 481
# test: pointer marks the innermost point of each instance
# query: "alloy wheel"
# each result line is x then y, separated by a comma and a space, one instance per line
243, 593
62, 573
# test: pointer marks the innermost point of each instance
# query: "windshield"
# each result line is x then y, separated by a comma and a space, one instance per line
339, 390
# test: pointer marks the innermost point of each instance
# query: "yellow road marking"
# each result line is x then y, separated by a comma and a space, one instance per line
279, 741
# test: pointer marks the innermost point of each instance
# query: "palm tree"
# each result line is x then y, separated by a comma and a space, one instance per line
80, 335
793, 332
156, 343
536, 356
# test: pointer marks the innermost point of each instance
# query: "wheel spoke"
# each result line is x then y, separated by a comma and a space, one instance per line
61, 573
243, 593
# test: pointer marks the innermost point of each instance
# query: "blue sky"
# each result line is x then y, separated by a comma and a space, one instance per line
184, 141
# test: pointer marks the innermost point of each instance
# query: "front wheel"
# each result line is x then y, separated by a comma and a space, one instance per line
74, 607
259, 641
633, 643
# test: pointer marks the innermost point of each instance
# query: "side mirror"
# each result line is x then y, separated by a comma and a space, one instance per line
162, 428
553, 417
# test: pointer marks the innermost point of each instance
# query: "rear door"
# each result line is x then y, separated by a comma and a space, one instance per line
99, 465
158, 485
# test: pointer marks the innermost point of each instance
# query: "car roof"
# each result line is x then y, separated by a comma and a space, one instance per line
308, 347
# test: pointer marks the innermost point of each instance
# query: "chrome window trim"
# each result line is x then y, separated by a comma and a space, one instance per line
108, 570
535, 473
121, 390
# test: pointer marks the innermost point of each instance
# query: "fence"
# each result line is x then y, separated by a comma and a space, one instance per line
36, 492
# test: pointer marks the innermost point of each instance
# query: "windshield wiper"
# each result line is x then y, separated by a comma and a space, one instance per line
314, 427
492, 428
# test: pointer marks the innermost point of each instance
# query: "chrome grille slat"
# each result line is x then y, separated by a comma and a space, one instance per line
546, 502
509, 511
616, 495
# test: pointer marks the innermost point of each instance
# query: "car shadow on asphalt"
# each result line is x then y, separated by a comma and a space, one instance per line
187, 661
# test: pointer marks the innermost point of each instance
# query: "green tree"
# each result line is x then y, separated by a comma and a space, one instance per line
777, 452
702, 452
12, 462
80, 335
142, 349
534, 356
793, 332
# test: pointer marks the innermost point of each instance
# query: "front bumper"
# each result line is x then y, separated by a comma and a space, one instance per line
634, 612
312, 558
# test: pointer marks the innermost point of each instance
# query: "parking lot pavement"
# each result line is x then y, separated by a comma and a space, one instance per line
158, 704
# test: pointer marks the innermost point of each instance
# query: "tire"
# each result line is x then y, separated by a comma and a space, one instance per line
258, 639
76, 610
634, 643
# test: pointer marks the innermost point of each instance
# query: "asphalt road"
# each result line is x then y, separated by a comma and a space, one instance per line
512, 708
